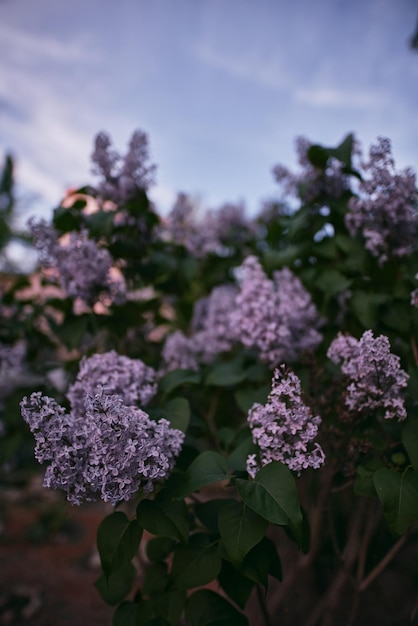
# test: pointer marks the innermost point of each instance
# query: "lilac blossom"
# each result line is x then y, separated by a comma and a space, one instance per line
376, 380
81, 266
122, 177
209, 234
385, 212
108, 452
284, 428
312, 182
277, 317
130, 379
211, 332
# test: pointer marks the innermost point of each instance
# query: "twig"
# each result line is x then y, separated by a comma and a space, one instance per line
366, 582
262, 603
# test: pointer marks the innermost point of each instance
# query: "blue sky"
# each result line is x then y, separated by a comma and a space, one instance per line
222, 87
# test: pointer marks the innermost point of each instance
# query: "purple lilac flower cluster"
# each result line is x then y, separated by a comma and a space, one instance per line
284, 427
277, 317
386, 211
376, 379
311, 182
211, 334
209, 234
109, 452
122, 177
81, 266
130, 379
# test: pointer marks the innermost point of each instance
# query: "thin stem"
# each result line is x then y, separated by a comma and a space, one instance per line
262, 603
376, 571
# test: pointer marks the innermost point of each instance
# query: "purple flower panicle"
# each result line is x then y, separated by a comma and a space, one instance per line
376, 380
275, 316
284, 428
122, 177
130, 379
211, 334
386, 210
108, 452
81, 266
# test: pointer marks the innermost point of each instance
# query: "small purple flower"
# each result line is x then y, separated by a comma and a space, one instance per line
284, 428
376, 380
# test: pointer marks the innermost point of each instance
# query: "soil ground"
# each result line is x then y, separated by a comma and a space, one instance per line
48, 561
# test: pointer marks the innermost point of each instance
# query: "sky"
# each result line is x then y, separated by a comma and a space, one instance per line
221, 87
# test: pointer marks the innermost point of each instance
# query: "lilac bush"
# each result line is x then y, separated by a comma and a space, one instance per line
260, 374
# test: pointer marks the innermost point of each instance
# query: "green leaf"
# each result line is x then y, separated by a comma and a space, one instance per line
178, 413
247, 396
332, 282
237, 586
262, 561
273, 495
237, 460
117, 541
178, 378
226, 374
132, 614
366, 305
318, 156
208, 512
159, 548
240, 529
398, 494
364, 481
166, 519
169, 605
196, 564
209, 467
155, 579
207, 608
410, 441
115, 587
72, 331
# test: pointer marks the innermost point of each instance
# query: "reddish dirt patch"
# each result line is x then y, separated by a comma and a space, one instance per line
48, 564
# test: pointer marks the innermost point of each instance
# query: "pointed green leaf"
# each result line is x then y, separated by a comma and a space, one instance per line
262, 561
240, 529
237, 586
209, 467
166, 518
196, 564
117, 541
169, 605
177, 378
115, 587
178, 413
273, 495
207, 608
398, 494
